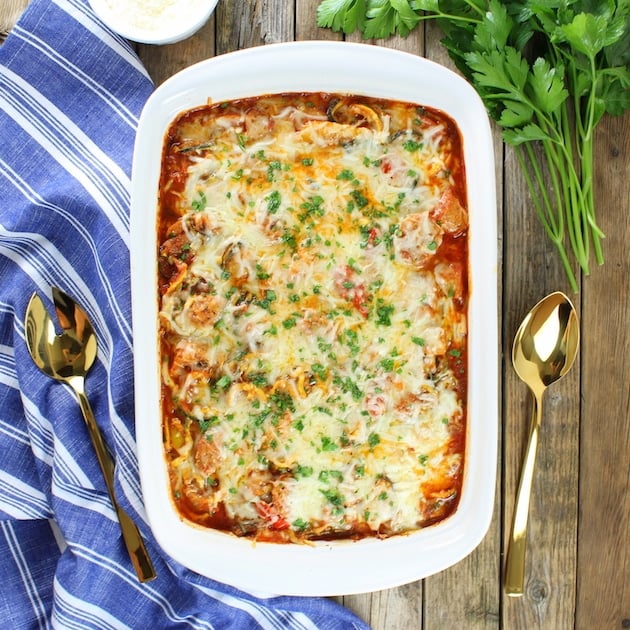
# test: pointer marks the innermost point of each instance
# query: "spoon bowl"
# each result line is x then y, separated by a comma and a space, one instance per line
60, 356
546, 343
545, 347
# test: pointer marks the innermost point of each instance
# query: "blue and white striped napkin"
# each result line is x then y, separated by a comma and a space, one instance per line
70, 96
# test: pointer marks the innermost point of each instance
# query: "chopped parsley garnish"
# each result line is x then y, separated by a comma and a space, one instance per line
374, 439
345, 175
282, 402
328, 444
300, 524
384, 312
349, 386
412, 145
200, 202
303, 471
312, 207
319, 370
272, 167
351, 339
387, 364
261, 274
224, 382
359, 198
288, 237
206, 423
270, 297
335, 497
258, 379
273, 199
326, 475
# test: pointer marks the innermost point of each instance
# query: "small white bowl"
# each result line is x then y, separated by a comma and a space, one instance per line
154, 21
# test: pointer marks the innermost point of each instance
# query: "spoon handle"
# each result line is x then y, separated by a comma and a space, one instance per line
515, 563
131, 535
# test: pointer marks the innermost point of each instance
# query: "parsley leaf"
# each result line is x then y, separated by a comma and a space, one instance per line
342, 15
547, 84
385, 17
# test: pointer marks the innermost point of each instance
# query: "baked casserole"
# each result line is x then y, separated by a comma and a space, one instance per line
313, 298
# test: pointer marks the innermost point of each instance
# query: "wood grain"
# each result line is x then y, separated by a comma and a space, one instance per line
603, 578
163, 62
531, 269
578, 560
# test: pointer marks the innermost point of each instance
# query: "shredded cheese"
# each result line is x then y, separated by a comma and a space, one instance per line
313, 316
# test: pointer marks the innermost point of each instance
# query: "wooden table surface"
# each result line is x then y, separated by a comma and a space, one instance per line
578, 562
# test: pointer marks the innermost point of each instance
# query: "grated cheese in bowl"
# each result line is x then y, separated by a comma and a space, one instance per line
154, 21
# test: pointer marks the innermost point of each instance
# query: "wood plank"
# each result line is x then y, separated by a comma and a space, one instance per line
253, 23
163, 62
604, 534
397, 608
306, 23
532, 269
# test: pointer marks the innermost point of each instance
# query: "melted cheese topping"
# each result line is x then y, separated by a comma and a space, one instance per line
313, 288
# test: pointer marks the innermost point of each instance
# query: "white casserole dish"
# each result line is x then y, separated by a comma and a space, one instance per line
339, 567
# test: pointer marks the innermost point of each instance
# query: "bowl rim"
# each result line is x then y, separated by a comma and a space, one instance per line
164, 35
340, 567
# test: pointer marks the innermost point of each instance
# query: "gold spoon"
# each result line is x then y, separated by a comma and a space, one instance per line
67, 358
545, 347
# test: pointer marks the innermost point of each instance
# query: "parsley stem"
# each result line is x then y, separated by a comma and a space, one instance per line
587, 183
529, 164
554, 224
572, 206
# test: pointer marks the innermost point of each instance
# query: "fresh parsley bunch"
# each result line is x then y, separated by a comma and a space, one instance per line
547, 71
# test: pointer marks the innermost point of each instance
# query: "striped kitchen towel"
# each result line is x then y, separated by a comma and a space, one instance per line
70, 96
